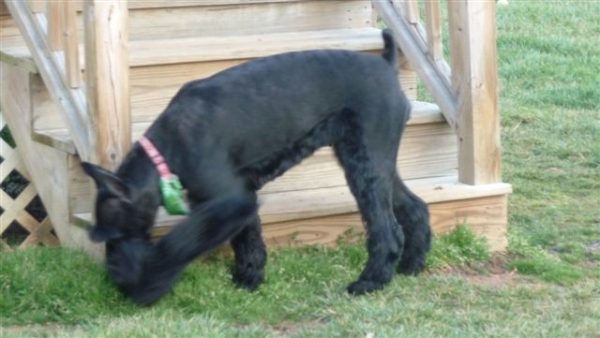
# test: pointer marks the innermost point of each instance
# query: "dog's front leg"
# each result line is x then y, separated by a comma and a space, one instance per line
207, 226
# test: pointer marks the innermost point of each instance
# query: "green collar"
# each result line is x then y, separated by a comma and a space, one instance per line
170, 186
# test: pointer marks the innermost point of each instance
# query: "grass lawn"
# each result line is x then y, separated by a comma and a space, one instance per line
547, 286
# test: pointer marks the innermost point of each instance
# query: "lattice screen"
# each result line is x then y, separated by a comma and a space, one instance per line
23, 219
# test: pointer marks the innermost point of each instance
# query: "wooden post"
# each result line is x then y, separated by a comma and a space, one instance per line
474, 81
434, 29
71, 40
55, 25
107, 79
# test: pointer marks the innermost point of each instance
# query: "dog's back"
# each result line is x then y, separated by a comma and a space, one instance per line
290, 93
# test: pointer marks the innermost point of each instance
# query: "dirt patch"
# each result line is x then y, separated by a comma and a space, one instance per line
492, 273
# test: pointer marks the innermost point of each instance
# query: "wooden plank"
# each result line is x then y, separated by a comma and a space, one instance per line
474, 79
186, 50
107, 79
280, 17
434, 77
70, 102
486, 216
55, 25
427, 150
71, 45
137, 4
145, 4
152, 87
279, 207
298, 206
412, 11
433, 25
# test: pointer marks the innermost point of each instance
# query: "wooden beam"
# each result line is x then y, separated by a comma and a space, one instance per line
434, 29
474, 79
55, 25
107, 79
71, 42
433, 76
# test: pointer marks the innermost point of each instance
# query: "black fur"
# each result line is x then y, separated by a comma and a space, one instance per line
228, 135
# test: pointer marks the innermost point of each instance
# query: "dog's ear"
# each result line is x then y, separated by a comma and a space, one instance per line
106, 181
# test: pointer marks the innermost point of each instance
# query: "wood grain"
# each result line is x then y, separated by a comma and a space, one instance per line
274, 17
433, 25
71, 45
474, 79
55, 30
107, 80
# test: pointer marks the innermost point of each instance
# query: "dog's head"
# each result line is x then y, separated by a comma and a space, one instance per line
120, 213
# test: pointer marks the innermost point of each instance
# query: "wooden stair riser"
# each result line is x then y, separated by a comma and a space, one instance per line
152, 87
224, 18
427, 150
486, 216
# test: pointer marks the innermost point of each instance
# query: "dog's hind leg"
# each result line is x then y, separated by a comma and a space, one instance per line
412, 214
250, 256
370, 181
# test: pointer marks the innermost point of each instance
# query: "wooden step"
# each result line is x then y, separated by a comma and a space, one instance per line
428, 149
238, 47
283, 212
58, 137
311, 203
160, 68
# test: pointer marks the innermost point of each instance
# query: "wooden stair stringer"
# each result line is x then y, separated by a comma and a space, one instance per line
47, 167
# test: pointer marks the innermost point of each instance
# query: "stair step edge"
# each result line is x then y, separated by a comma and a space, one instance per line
422, 113
305, 204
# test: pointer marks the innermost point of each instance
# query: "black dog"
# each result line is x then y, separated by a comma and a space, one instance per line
228, 135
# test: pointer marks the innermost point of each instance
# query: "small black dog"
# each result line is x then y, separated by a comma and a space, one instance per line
228, 135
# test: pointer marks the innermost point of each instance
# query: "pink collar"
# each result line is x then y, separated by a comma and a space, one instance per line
156, 157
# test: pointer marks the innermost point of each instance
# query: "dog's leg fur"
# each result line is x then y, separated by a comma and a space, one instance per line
250, 256
412, 214
369, 172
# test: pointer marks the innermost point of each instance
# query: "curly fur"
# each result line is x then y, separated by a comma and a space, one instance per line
228, 135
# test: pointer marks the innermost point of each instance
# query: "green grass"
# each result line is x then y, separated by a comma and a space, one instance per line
550, 287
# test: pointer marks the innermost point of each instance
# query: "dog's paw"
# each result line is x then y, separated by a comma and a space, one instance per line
411, 266
247, 280
361, 287
154, 287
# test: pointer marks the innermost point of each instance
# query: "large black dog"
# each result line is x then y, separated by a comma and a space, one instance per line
228, 135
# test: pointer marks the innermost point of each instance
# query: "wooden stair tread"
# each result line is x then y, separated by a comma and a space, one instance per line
306, 204
185, 50
423, 113
199, 49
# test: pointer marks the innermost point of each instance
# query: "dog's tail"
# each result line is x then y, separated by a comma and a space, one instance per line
390, 51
